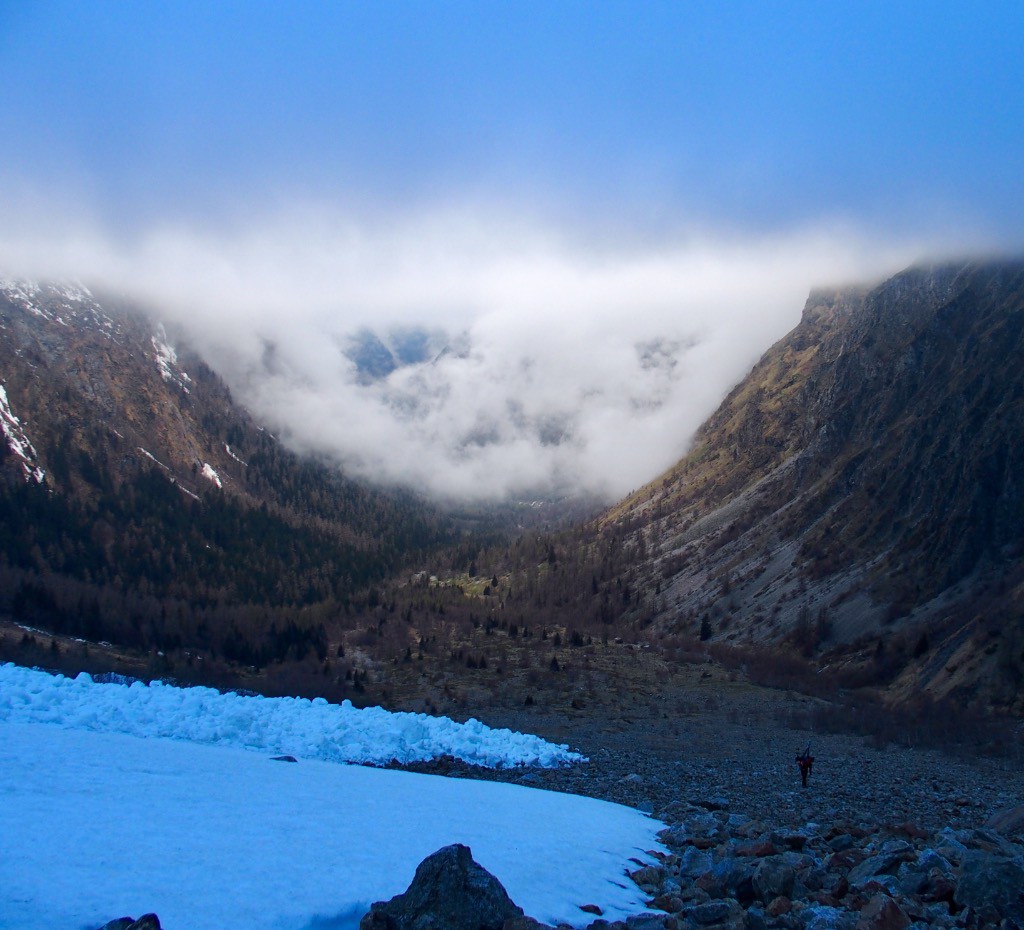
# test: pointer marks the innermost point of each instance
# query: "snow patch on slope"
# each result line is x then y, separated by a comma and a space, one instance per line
22, 292
17, 441
296, 726
149, 455
210, 474
227, 449
166, 358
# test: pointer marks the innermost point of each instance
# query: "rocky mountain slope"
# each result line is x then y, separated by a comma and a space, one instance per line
860, 489
140, 504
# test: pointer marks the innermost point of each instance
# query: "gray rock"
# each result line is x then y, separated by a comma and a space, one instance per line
822, 917
145, 922
649, 877
715, 804
755, 919
644, 922
875, 866
524, 923
900, 848
988, 841
694, 862
883, 913
737, 878
950, 844
706, 824
1009, 821
910, 880
929, 859
773, 878
714, 912
988, 884
449, 892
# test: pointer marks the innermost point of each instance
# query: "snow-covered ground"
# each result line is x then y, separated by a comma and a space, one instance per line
120, 800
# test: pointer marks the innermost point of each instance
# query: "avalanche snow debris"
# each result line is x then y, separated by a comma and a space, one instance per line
211, 475
293, 726
17, 441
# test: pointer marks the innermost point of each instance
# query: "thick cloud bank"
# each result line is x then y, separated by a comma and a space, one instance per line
468, 354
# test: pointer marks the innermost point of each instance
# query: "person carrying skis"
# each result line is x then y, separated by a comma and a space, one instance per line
805, 761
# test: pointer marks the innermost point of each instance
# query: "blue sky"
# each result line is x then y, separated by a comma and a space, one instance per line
648, 114
611, 208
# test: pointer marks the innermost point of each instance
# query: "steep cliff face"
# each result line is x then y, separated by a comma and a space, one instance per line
864, 478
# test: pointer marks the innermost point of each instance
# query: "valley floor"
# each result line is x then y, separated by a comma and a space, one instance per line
737, 752
658, 733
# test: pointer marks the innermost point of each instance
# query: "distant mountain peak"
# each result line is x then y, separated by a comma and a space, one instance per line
377, 354
65, 304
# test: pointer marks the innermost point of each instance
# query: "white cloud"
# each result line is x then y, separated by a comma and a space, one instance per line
582, 366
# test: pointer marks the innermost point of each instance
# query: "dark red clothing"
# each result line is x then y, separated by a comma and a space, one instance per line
805, 763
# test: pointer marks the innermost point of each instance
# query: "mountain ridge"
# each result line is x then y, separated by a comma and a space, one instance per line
861, 480
141, 505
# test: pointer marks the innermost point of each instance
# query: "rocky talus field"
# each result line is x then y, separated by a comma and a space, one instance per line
882, 836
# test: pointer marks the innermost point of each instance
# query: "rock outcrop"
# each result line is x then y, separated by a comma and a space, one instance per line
450, 891
145, 922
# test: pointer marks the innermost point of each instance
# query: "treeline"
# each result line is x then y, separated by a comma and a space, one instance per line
152, 537
246, 634
149, 566
532, 597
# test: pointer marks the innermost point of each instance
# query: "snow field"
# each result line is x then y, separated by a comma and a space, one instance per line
96, 824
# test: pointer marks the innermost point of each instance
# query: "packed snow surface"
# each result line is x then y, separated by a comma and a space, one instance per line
97, 821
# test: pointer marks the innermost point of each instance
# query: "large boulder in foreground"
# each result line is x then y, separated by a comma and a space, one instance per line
993, 886
449, 892
1008, 821
145, 922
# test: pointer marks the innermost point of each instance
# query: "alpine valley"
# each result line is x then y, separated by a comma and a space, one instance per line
851, 518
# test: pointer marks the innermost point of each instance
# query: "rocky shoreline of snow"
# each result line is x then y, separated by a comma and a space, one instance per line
725, 870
